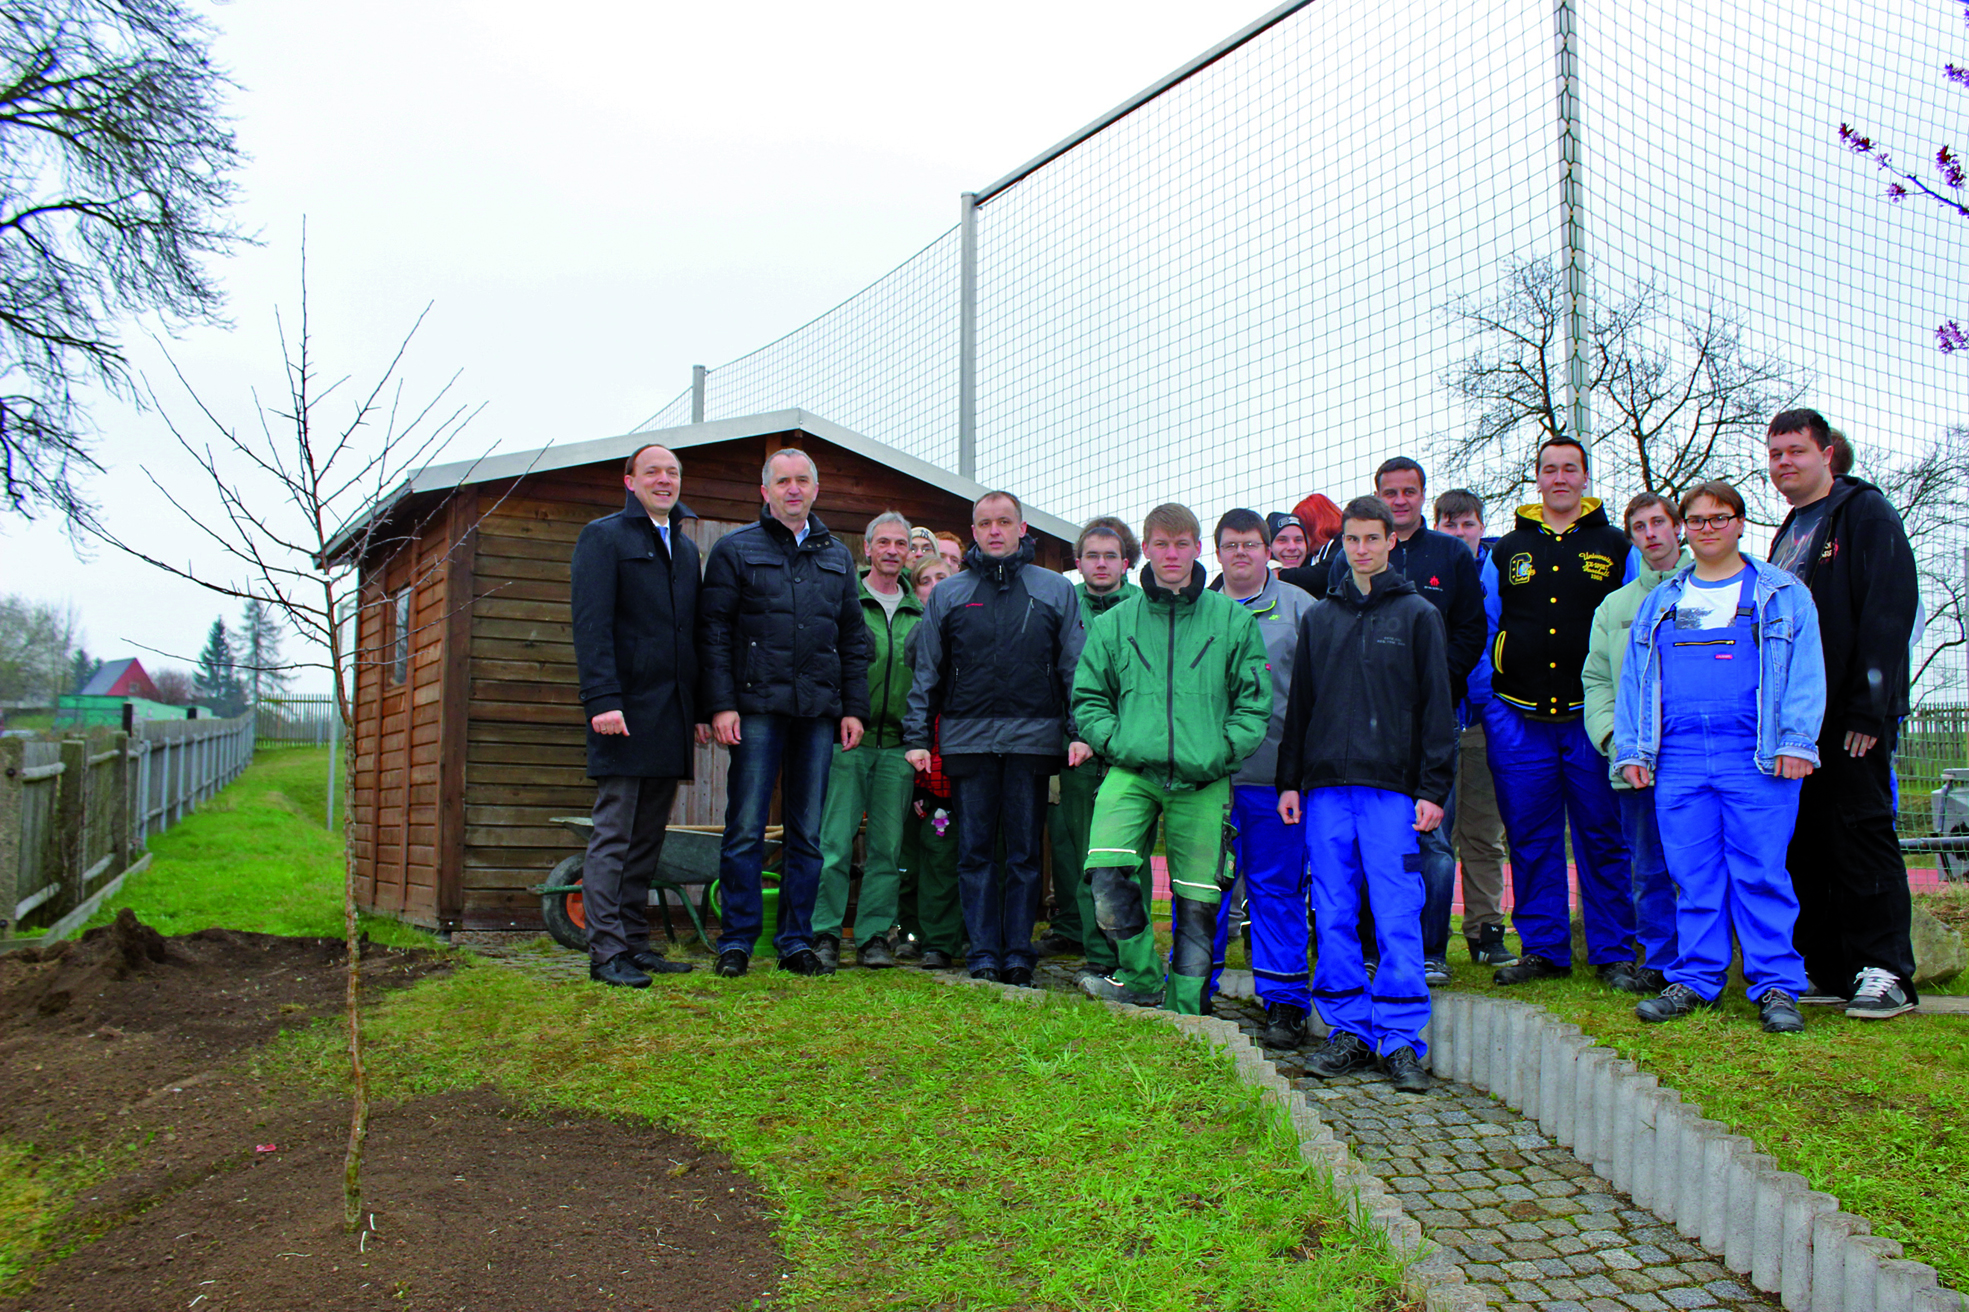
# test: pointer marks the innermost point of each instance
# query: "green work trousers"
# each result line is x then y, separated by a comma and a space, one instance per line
876, 782
1071, 822
930, 910
1127, 807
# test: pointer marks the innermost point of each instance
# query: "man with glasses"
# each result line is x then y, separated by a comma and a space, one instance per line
1844, 541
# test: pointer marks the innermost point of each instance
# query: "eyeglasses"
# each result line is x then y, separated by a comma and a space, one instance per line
1710, 521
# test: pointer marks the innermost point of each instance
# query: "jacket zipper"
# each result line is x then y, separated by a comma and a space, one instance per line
1170, 688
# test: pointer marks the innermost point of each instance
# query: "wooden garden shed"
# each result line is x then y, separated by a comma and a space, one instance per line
468, 734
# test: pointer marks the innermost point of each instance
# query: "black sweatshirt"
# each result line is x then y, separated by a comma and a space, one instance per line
1370, 704
1547, 587
1861, 571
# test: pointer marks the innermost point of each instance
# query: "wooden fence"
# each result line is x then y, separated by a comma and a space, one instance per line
75, 814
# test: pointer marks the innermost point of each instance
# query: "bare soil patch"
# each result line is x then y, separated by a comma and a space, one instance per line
225, 1190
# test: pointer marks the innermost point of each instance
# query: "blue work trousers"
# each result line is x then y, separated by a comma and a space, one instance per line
999, 797
1654, 891
1548, 774
795, 751
1355, 838
1272, 859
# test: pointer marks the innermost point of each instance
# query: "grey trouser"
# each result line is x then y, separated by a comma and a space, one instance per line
1479, 834
630, 815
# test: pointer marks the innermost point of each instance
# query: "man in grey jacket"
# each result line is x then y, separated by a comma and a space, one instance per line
1270, 856
1655, 528
994, 678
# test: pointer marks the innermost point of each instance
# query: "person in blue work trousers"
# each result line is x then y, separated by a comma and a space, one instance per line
1542, 583
1271, 857
1365, 762
1721, 700
1654, 526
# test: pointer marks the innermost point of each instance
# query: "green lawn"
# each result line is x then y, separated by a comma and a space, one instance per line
1871, 1111
924, 1144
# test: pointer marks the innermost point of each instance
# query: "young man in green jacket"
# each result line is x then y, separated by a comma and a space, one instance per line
874, 779
1171, 689
1105, 553
1655, 528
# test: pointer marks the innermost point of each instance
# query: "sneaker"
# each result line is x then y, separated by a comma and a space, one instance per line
1405, 1071
1488, 948
804, 962
1877, 995
1675, 1002
828, 948
874, 954
1622, 977
1109, 989
935, 959
908, 949
1017, 975
1435, 971
1055, 945
1285, 1025
1343, 1054
731, 963
1529, 967
1778, 1011
987, 973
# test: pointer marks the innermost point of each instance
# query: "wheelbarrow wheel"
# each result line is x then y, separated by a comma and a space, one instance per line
566, 922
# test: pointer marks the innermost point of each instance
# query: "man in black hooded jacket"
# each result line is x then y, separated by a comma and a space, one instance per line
634, 584
1844, 541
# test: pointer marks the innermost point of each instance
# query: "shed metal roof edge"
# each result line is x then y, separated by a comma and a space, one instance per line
485, 469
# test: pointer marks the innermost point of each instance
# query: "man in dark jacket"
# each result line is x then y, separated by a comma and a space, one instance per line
1367, 756
1444, 572
994, 658
1843, 541
1542, 583
634, 586
785, 676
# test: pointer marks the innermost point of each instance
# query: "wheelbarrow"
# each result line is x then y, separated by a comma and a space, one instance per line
689, 860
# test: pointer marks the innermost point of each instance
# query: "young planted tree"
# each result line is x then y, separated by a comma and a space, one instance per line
1677, 396
294, 496
116, 164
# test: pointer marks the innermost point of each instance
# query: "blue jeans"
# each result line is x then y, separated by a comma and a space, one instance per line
994, 796
803, 747
1438, 882
1654, 891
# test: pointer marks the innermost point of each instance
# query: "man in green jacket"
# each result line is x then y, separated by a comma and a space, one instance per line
874, 779
1171, 689
1655, 528
1104, 554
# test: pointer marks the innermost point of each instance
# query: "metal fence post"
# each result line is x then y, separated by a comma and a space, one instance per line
1572, 206
967, 336
334, 759
698, 373
13, 756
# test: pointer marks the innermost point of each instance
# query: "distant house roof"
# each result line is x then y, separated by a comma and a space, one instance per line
124, 678
459, 473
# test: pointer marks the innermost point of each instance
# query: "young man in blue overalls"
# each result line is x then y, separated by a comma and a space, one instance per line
1721, 699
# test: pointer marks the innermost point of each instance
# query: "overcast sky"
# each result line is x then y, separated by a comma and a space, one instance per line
591, 208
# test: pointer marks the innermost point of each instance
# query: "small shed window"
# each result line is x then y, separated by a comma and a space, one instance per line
400, 646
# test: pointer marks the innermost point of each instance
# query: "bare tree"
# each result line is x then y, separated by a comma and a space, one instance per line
174, 686
116, 165
1930, 489
293, 518
1676, 397
37, 648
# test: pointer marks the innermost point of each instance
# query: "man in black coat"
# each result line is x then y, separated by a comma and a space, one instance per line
785, 675
634, 594
1845, 542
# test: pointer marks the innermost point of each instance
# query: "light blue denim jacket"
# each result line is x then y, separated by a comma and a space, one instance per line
1790, 672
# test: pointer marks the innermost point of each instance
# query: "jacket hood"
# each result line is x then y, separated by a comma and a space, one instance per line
1159, 595
816, 531
1103, 602
634, 509
1388, 583
999, 571
1592, 514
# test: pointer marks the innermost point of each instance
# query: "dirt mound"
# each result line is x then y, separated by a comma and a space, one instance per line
125, 1013
476, 1205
